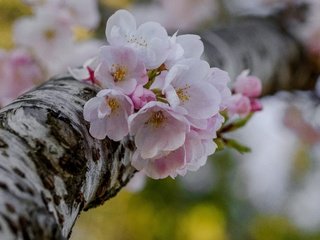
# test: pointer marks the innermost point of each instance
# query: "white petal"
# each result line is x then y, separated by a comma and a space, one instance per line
79, 73
151, 30
127, 86
90, 109
117, 125
204, 101
174, 73
191, 44
137, 161
121, 23
98, 129
172, 97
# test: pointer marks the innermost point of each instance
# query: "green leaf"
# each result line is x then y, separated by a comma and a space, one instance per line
237, 146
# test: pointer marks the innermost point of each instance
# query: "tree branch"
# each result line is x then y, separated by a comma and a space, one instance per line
264, 47
51, 168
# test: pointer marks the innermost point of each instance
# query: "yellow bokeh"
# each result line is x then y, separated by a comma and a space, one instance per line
116, 3
202, 222
10, 10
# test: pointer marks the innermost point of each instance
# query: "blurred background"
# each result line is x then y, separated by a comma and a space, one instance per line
271, 193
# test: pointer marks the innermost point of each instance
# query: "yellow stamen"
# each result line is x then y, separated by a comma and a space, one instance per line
50, 34
113, 104
182, 94
139, 41
156, 119
120, 73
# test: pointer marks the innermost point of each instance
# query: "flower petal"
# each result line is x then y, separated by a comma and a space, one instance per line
120, 24
191, 44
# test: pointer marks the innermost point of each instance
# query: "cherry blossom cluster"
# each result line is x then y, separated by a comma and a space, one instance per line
46, 44
18, 73
49, 33
158, 90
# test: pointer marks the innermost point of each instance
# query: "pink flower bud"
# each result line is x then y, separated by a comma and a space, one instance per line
249, 86
239, 104
255, 105
141, 96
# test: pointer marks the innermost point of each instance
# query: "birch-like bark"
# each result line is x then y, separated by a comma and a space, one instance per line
51, 168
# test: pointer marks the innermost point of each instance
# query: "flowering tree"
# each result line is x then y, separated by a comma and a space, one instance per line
68, 146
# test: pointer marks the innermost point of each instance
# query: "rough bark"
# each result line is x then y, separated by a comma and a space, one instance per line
51, 168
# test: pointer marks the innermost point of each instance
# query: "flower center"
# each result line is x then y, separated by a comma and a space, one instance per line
138, 41
50, 34
183, 94
119, 73
113, 104
157, 119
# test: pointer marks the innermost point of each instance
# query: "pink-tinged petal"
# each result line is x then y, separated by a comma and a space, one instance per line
191, 44
239, 104
108, 114
103, 110
249, 86
149, 145
151, 30
153, 44
19, 73
194, 148
203, 101
159, 82
209, 146
155, 134
220, 79
256, 105
167, 165
137, 182
98, 129
127, 86
121, 22
117, 37
152, 141
213, 125
90, 109
119, 55
175, 52
172, 97
103, 92
117, 126
198, 71
103, 75
174, 74
139, 73
120, 69
198, 123
138, 119
157, 53
137, 161
79, 73
142, 96
197, 152
83, 12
